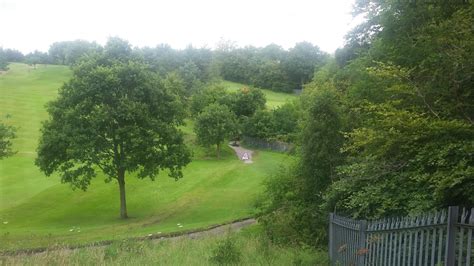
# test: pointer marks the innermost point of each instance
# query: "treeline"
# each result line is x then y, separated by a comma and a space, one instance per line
387, 126
270, 67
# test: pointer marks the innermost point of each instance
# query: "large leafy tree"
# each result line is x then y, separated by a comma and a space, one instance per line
246, 101
291, 209
214, 125
209, 95
389, 127
410, 148
114, 115
301, 62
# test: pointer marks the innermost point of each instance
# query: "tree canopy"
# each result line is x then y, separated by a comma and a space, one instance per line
387, 126
215, 124
7, 133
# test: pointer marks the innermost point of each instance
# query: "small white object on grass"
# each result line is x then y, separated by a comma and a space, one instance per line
5, 222
180, 226
150, 234
70, 230
159, 233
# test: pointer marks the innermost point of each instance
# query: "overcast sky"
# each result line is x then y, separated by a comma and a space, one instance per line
27, 25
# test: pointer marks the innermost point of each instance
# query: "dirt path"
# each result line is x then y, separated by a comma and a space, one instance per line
234, 226
218, 230
243, 154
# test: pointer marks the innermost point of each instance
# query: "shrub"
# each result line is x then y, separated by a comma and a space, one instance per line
226, 253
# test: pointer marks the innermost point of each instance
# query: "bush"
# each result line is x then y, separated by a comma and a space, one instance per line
225, 253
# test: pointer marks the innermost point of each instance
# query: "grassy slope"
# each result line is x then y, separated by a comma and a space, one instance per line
274, 99
253, 247
40, 211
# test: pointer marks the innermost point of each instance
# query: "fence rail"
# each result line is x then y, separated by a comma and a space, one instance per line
439, 238
269, 145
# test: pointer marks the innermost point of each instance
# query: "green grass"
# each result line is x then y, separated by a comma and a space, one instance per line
250, 243
38, 211
274, 99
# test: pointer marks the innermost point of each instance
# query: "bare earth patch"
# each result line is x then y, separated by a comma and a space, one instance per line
243, 154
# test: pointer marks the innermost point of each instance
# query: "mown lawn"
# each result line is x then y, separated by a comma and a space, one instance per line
38, 211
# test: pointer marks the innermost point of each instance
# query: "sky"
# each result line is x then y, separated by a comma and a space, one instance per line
29, 25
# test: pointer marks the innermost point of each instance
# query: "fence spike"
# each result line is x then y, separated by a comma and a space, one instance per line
443, 216
464, 216
471, 218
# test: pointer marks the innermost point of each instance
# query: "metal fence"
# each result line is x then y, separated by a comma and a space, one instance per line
269, 145
440, 238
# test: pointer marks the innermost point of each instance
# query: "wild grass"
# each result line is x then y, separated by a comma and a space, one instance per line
253, 247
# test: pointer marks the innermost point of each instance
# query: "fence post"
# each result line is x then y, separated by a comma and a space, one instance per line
453, 213
331, 238
362, 237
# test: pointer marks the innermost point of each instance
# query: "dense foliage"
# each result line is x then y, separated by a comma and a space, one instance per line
7, 133
388, 126
270, 67
280, 123
252, 117
69, 52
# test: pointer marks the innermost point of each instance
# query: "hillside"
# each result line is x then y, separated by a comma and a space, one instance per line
274, 99
39, 211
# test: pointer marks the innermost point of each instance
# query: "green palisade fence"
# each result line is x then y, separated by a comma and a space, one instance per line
439, 238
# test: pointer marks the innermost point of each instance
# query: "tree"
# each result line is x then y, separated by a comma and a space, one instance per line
292, 206
7, 133
215, 124
114, 115
69, 52
37, 57
285, 119
3, 60
13, 55
246, 102
301, 62
190, 74
204, 97
260, 125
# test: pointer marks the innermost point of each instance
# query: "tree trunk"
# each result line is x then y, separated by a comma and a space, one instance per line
123, 201
218, 150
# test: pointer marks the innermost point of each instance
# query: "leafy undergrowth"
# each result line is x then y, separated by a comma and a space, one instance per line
248, 247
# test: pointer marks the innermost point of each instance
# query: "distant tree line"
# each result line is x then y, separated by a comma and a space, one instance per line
270, 67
